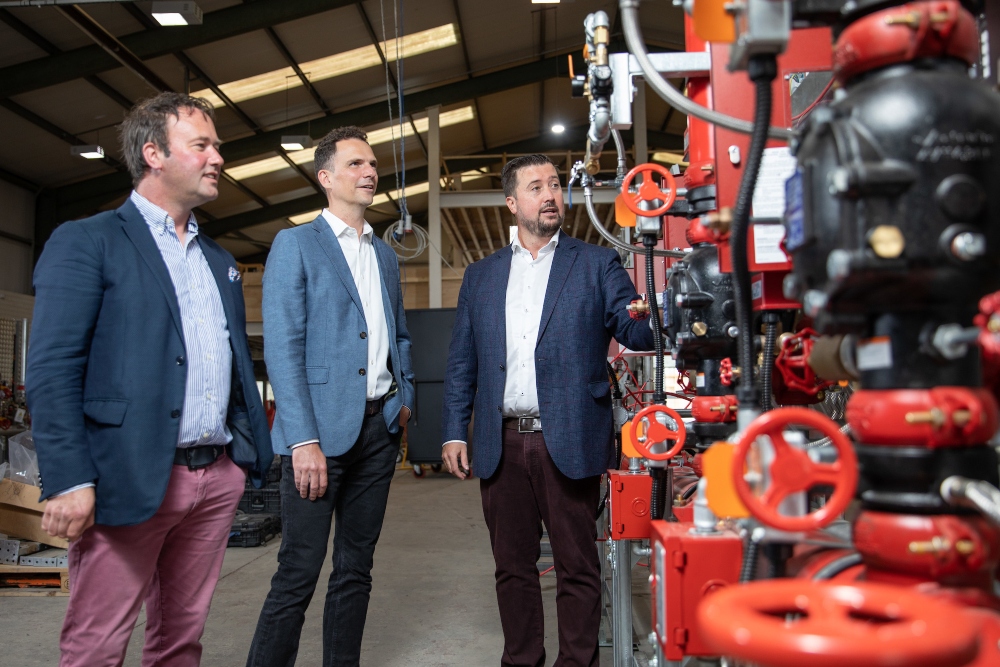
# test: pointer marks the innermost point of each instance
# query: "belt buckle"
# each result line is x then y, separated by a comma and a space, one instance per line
524, 424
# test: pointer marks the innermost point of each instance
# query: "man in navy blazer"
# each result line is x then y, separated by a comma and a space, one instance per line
529, 355
338, 358
144, 402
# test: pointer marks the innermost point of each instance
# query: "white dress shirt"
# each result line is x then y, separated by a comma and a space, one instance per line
361, 259
529, 278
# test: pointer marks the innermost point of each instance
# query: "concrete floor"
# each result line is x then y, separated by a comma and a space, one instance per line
433, 601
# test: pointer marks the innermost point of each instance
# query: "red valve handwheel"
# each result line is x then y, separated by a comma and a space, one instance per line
657, 432
649, 191
874, 625
792, 470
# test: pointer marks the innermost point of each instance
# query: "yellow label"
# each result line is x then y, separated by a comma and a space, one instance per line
712, 22
623, 216
628, 445
720, 491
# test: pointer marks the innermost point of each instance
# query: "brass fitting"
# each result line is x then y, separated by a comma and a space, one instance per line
699, 328
940, 545
719, 221
638, 308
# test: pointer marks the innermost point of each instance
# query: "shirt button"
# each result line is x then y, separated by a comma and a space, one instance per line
175, 413
364, 335
499, 409
205, 434
180, 361
361, 371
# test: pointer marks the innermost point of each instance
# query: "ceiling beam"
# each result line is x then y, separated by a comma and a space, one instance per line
19, 181
147, 44
468, 68
290, 59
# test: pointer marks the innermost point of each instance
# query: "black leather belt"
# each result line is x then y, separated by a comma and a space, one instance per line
523, 424
373, 408
198, 457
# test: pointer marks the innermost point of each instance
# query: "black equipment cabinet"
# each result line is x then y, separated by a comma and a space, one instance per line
430, 333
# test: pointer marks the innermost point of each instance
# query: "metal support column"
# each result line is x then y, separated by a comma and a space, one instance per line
434, 206
621, 602
639, 123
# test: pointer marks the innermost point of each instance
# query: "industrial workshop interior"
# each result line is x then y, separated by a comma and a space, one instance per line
635, 333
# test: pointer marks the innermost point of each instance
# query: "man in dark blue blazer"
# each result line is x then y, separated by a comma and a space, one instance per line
145, 407
529, 354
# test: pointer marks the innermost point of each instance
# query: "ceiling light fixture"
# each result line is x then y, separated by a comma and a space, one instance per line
176, 13
91, 151
558, 128
336, 65
296, 142
545, 2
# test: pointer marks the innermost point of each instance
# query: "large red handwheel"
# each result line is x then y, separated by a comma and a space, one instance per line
654, 433
792, 470
649, 191
791, 623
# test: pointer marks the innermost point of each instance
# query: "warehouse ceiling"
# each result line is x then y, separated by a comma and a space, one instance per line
498, 69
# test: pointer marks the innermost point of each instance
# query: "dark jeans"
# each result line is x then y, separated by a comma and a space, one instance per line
357, 494
526, 489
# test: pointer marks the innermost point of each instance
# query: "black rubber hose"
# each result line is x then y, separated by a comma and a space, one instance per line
749, 569
767, 363
835, 567
658, 493
763, 69
659, 398
688, 492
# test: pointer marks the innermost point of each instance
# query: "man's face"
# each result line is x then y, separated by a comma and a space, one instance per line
537, 203
191, 172
352, 176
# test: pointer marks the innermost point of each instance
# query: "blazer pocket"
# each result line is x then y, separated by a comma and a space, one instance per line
317, 374
108, 411
600, 388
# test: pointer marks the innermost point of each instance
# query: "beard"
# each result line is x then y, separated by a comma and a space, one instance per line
539, 227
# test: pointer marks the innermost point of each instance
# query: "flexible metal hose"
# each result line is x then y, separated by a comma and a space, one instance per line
767, 364
637, 46
974, 493
654, 311
588, 197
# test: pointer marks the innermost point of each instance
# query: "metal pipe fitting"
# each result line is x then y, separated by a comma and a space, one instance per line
973, 493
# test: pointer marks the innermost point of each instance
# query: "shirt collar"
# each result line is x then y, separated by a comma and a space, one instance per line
545, 249
340, 227
159, 220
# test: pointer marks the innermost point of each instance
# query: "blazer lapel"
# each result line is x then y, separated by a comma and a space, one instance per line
496, 297
219, 265
138, 232
562, 262
331, 246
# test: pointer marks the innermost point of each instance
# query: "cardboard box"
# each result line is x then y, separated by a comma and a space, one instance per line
21, 514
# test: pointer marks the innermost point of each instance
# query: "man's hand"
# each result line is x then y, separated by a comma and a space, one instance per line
455, 455
68, 516
404, 416
309, 465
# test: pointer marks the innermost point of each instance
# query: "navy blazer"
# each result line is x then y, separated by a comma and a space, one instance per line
106, 366
585, 306
316, 340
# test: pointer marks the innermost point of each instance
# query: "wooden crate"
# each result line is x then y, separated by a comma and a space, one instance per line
18, 580
21, 514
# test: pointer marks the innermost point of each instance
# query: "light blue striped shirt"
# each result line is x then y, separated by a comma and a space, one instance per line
206, 333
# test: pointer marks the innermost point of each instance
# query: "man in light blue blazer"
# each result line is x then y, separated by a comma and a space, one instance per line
338, 358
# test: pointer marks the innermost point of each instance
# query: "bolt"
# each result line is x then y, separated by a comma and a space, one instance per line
968, 246
934, 417
840, 181
838, 265
699, 328
733, 331
813, 302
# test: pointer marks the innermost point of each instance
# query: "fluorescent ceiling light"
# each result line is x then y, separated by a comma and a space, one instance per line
375, 137
176, 13
545, 2
558, 128
296, 142
335, 65
416, 189
91, 152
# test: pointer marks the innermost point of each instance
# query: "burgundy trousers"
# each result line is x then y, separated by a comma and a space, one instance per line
526, 490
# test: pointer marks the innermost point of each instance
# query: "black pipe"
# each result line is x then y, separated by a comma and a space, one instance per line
835, 567
767, 363
762, 70
659, 398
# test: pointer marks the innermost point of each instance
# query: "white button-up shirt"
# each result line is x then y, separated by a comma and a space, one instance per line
360, 256
529, 278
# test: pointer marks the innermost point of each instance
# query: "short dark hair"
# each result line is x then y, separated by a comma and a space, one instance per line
327, 146
147, 122
508, 175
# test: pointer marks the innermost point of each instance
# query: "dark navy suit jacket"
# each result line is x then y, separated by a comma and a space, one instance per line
107, 365
585, 306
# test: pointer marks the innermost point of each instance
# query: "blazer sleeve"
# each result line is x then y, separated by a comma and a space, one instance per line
461, 374
619, 292
69, 291
285, 320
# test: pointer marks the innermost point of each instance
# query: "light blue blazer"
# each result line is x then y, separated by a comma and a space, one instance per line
315, 340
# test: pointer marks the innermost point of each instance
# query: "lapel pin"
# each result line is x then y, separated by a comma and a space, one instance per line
234, 275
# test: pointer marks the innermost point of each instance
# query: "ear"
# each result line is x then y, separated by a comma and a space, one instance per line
512, 205
325, 178
152, 155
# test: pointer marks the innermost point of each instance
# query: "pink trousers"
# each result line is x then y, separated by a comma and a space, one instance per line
172, 561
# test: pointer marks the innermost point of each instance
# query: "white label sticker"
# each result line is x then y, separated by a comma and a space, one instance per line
776, 167
874, 354
700, 380
767, 244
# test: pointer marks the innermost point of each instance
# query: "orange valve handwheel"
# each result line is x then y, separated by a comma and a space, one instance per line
655, 432
792, 470
790, 623
649, 191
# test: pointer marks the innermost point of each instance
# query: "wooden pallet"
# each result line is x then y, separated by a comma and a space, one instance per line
20, 580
